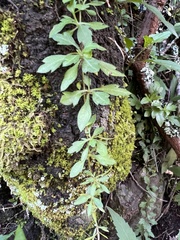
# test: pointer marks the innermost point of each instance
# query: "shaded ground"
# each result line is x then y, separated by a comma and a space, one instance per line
36, 21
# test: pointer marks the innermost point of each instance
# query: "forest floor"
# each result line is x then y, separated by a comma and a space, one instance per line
37, 20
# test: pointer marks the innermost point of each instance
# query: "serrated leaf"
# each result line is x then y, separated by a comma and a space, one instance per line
124, 231
69, 77
90, 65
161, 18
113, 89
65, 39
82, 199
76, 169
19, 234
110, 69
168, 64
76, 146
97, 25
69, 98
70, 59
58, 27
51, 63
91, 46
105, 160
84, 34
169, 160
101, 98
84, 115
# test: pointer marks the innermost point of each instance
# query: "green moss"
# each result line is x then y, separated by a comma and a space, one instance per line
7, 28
122, 129
49, 196
23, 129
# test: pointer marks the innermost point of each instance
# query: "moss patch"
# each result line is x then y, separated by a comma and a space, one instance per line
122, 129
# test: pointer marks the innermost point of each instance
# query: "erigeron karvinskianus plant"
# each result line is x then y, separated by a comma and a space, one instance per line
80, 62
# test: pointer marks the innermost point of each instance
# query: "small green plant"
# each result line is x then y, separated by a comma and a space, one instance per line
124, 231
18, 234
81, 63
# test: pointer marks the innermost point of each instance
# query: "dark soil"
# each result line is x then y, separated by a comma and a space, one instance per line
35, 22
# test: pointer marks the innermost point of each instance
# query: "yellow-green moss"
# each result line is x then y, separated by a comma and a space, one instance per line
7, 28
122, 129
22, 128
33, 185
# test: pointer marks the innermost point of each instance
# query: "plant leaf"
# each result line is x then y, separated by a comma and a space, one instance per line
169, 160
161, 18
7, 236
84, 115
168, 64
70, 59
19, 234
102, 148
96, 3
84, 34
76, 146
84, 154
160, 118
105, 160
58, 27
76, 169
82, 199
101, 98
175, 170
97, 25
69, 98
90, 65
124, 231
90, 46
69, 77
159, 37
114, 90
110, 69
98, 131
51, 63
65, 39
98, 204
